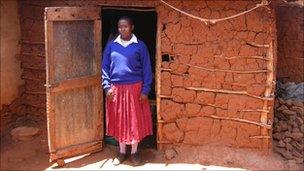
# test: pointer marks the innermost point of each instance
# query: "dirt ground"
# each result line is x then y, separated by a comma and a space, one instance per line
33, 155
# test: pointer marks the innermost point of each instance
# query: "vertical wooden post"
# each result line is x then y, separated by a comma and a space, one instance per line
268, 92
273, 51
97, 70
49, 76
158, 83
270, 78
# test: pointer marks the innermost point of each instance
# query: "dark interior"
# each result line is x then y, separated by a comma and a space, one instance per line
145, 30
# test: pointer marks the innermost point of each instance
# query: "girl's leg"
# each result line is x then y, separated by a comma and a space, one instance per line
121, 157
134, 147
135, 158
122, 148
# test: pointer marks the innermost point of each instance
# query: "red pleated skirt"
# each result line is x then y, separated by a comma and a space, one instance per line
127, 119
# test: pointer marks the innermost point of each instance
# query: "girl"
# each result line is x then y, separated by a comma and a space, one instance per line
126, 79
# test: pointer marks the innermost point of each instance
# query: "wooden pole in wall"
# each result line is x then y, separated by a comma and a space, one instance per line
159, 136
269, 81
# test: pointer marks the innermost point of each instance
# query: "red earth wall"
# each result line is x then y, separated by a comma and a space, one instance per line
200, 58
290, 26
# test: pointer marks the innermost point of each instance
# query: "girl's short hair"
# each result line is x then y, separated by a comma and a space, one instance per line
127, 18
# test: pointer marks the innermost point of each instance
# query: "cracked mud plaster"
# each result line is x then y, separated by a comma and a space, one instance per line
187, 41
190, 44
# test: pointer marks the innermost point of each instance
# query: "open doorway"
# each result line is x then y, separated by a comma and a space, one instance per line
145, 21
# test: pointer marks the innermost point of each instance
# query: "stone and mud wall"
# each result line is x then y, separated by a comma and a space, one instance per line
215, 81
289, 129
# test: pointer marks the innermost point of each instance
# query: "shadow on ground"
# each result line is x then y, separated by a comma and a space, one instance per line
33, 155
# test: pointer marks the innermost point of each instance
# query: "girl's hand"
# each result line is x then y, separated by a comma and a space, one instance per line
110, 94
143, 97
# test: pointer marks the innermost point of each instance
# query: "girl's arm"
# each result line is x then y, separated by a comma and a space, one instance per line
106, 62
147, 72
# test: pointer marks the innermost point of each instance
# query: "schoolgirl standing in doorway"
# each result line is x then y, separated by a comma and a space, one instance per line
126, 79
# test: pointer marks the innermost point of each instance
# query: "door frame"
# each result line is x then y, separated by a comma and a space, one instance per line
159, 122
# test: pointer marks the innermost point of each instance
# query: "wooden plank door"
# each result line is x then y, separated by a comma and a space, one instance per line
73, 84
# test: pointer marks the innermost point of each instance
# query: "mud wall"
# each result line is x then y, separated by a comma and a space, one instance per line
33, 57
198, 116
194, 55
11, 82
10, 65
290, 26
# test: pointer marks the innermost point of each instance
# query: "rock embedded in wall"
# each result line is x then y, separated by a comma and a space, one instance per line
183, 95
170, 153
170, 110
172, 133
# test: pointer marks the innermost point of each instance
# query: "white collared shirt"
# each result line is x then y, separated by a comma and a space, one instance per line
126, 43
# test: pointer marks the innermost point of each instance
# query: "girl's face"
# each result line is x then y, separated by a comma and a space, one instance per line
125, 29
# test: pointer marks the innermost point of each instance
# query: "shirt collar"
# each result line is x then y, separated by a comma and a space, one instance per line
132, 40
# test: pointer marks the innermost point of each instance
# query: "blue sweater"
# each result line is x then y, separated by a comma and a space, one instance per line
126, 65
